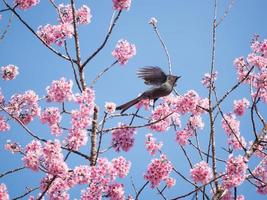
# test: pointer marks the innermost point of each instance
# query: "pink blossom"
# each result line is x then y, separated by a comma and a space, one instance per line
53, 158
260, 172
121, 4
52, 116
240, 106
2, 98
82, 174
229, 196
208, 79
13, 147
9, 72
3, 192
235, 172
110, 107
24, 106
255, 60
242, 69
121, 166
183, 136
152, 146
123, 138
59, 91
33, 152
158, 170
86, 100
77, 138
83, 14
230, 124
186, 103
55, 33
123, 51
170, 182
116, 192
143, 103
26, 4
236, 141
3, 125
195, 122
162, 116
201, 172
57, 188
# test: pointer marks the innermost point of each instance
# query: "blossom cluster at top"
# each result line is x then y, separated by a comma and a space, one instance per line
57, 34
26, 4
121, 4
258, 77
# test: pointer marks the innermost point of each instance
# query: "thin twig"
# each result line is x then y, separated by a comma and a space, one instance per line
7, 27
11, 171
28, 192
104, 42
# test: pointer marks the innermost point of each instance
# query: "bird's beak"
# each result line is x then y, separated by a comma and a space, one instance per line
178, 77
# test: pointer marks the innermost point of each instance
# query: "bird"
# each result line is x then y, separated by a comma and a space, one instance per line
162, 85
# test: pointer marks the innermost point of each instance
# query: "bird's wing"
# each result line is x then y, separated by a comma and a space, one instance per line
152, 75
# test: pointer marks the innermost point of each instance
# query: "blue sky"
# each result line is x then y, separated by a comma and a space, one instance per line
185, 26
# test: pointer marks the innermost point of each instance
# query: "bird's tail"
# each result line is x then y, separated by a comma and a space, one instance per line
129, 104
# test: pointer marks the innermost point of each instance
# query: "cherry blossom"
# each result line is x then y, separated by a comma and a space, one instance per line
121, 166
116, 191
9, 72
235, 172
124, 51
123, 138
201, 172
151, 145
60, 91
33, 152
3, 125
121, 4
110, 107
26, 4
3, 192
158, 170
240, 106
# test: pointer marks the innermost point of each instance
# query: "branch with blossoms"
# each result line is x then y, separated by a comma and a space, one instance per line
78, 128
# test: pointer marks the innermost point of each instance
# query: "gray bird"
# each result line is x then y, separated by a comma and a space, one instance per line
162, 86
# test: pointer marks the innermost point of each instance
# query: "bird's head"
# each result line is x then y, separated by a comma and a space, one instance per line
172, 79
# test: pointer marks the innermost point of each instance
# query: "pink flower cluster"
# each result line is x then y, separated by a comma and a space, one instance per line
52, 116
123, 138
3, 192
24, 106
161, 115
189, 103
60, 91
208, 79
110, 107
83, 14
258, 58
81, 119
170, 182
32, 154
55, 33
152, 146
231, 126
116, 192
240, 106
3, 125
143, 103
124, 51
53, 158
26, 4
121, 166
158, 170
9, 72
201, 172
121, 4
260, 172
182, 136
13, 147
235, 172
102, 178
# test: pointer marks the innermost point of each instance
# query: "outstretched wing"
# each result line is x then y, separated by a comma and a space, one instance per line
152, 75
